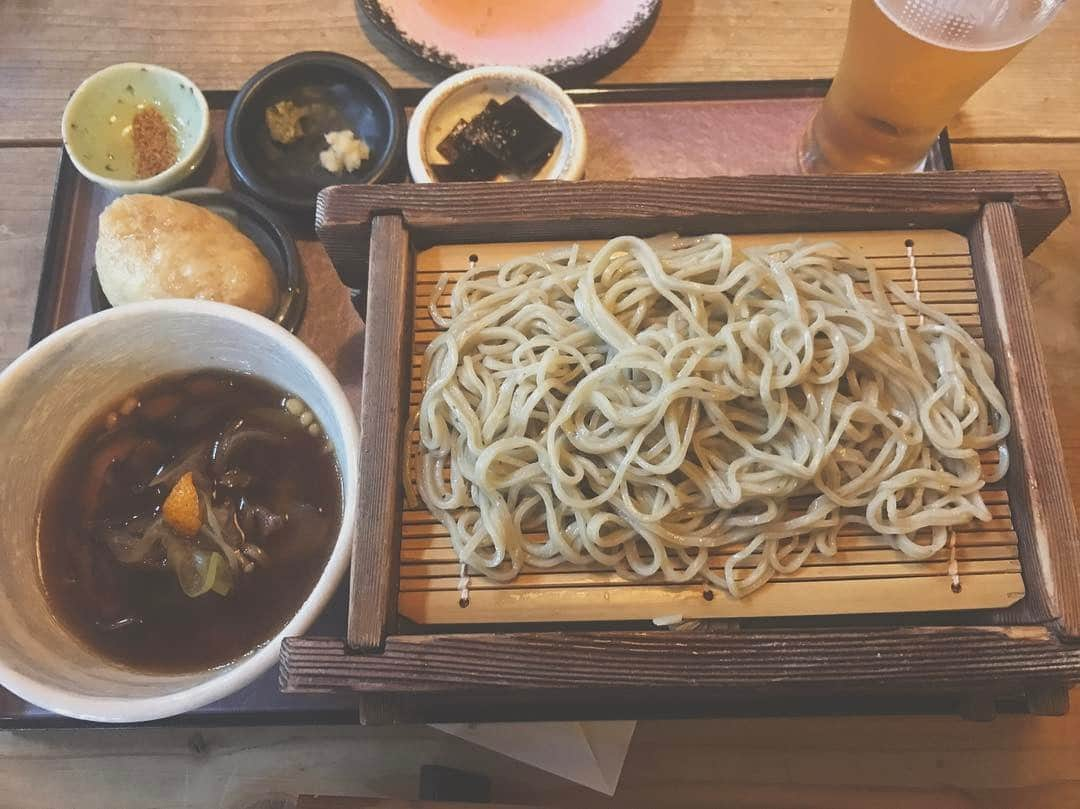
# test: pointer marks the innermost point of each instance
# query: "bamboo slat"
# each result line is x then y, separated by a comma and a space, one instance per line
865, 575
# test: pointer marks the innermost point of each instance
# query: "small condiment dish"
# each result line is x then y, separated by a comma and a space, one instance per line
48, 395
96, 126
335, 93
464, 95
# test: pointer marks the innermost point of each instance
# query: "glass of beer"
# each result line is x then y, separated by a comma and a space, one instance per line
907, 67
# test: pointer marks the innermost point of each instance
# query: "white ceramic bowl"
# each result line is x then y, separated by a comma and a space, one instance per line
99, 105
465, 94
47, 396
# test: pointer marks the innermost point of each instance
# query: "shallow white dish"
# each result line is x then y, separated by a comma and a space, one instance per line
47, 396
465, 94
100, 103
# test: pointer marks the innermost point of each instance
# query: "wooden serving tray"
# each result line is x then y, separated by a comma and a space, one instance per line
634, 130
392, 239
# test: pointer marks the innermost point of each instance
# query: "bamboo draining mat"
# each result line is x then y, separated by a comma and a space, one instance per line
865, 576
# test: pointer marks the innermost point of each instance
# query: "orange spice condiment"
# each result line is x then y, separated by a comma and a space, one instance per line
154, 141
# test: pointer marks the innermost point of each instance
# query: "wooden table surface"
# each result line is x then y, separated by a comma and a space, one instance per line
1026, 117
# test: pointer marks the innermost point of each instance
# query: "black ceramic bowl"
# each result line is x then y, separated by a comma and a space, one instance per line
341, 93
268, 233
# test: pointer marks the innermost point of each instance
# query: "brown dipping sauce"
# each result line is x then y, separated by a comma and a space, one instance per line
279, 479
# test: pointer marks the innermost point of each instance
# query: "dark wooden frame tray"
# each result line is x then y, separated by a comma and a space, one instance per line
332, 326
373, 234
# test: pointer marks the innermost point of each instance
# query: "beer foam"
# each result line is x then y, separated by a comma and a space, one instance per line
970, 25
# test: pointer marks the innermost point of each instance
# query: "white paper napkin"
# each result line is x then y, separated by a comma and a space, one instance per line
588, 753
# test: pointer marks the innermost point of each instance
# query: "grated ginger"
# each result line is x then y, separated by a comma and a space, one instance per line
346, 151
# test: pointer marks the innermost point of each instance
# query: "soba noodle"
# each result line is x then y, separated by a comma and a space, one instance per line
662, 409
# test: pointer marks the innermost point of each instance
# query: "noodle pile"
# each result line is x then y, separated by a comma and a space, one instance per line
661, 410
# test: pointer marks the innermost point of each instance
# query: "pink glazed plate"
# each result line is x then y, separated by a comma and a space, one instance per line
549, 37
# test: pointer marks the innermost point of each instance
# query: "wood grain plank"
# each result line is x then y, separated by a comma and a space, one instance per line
1048, 699
925, 656
28, 175
48, 46
458, 213
373, 591
800, 597
1042, 506
1054, 284
807, 762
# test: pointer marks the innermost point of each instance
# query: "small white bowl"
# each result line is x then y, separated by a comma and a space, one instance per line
102, 106
465, 94
47, 395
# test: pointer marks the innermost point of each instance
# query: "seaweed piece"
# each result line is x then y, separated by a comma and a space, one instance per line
503, 138
460, 172
454, 145
525, 139
460, 148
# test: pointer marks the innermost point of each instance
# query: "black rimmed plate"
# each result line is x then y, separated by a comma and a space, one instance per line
269, 234
338, 93
553, 37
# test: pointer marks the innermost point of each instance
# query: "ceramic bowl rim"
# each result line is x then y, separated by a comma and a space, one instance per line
244, 171
231, 679
164, 179
437, 95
